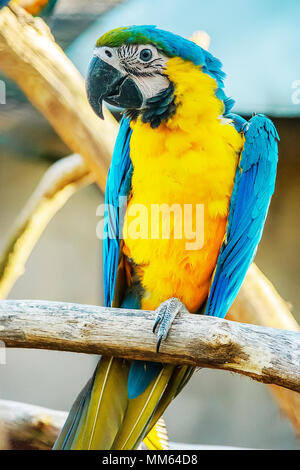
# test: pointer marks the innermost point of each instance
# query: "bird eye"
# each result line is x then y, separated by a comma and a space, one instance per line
146, 55
108, 53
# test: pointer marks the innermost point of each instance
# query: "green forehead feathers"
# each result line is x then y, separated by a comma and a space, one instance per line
130, 35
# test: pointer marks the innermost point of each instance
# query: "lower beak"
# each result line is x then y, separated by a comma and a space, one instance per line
105, 82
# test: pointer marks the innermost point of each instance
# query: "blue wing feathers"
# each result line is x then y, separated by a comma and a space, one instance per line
118, 184
253, 189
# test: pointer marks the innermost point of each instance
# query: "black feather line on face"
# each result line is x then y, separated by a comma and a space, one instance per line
131, 63
157, 109
161, 106
153, 63
135, 73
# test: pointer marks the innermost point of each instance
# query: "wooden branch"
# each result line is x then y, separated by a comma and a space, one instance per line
30, 427
30, 56
264, 354
59, 183
3, 437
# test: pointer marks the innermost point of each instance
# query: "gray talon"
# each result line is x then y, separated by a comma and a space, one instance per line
165, 315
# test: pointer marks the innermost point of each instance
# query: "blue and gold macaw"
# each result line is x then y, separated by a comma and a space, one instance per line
178, 145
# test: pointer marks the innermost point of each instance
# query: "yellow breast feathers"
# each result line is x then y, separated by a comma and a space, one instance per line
181, 187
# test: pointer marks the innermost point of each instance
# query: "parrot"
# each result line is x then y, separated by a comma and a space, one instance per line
34, 7
179, 146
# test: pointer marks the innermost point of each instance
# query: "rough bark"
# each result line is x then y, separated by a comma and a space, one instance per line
265, 354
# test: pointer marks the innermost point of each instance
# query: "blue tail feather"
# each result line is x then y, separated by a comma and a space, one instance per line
141, 373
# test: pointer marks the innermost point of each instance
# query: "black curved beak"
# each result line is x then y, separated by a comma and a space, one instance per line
106, 83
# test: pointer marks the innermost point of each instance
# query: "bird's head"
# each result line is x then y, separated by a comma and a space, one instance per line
128, 70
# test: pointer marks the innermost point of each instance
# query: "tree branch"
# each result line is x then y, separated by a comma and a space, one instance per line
264, 354
58, 184
29, 427
30, 56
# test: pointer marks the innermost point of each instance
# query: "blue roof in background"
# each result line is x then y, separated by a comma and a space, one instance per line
257, 41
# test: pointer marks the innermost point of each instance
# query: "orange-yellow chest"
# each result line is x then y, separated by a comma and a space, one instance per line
181, 187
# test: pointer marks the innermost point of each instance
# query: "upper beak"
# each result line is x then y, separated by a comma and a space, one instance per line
105, 82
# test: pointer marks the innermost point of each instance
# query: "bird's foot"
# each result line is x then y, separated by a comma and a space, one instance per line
165, 315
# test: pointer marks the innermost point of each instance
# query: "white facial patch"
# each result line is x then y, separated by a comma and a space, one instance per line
130, 60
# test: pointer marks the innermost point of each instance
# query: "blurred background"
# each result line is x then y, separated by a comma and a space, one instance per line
258, 43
